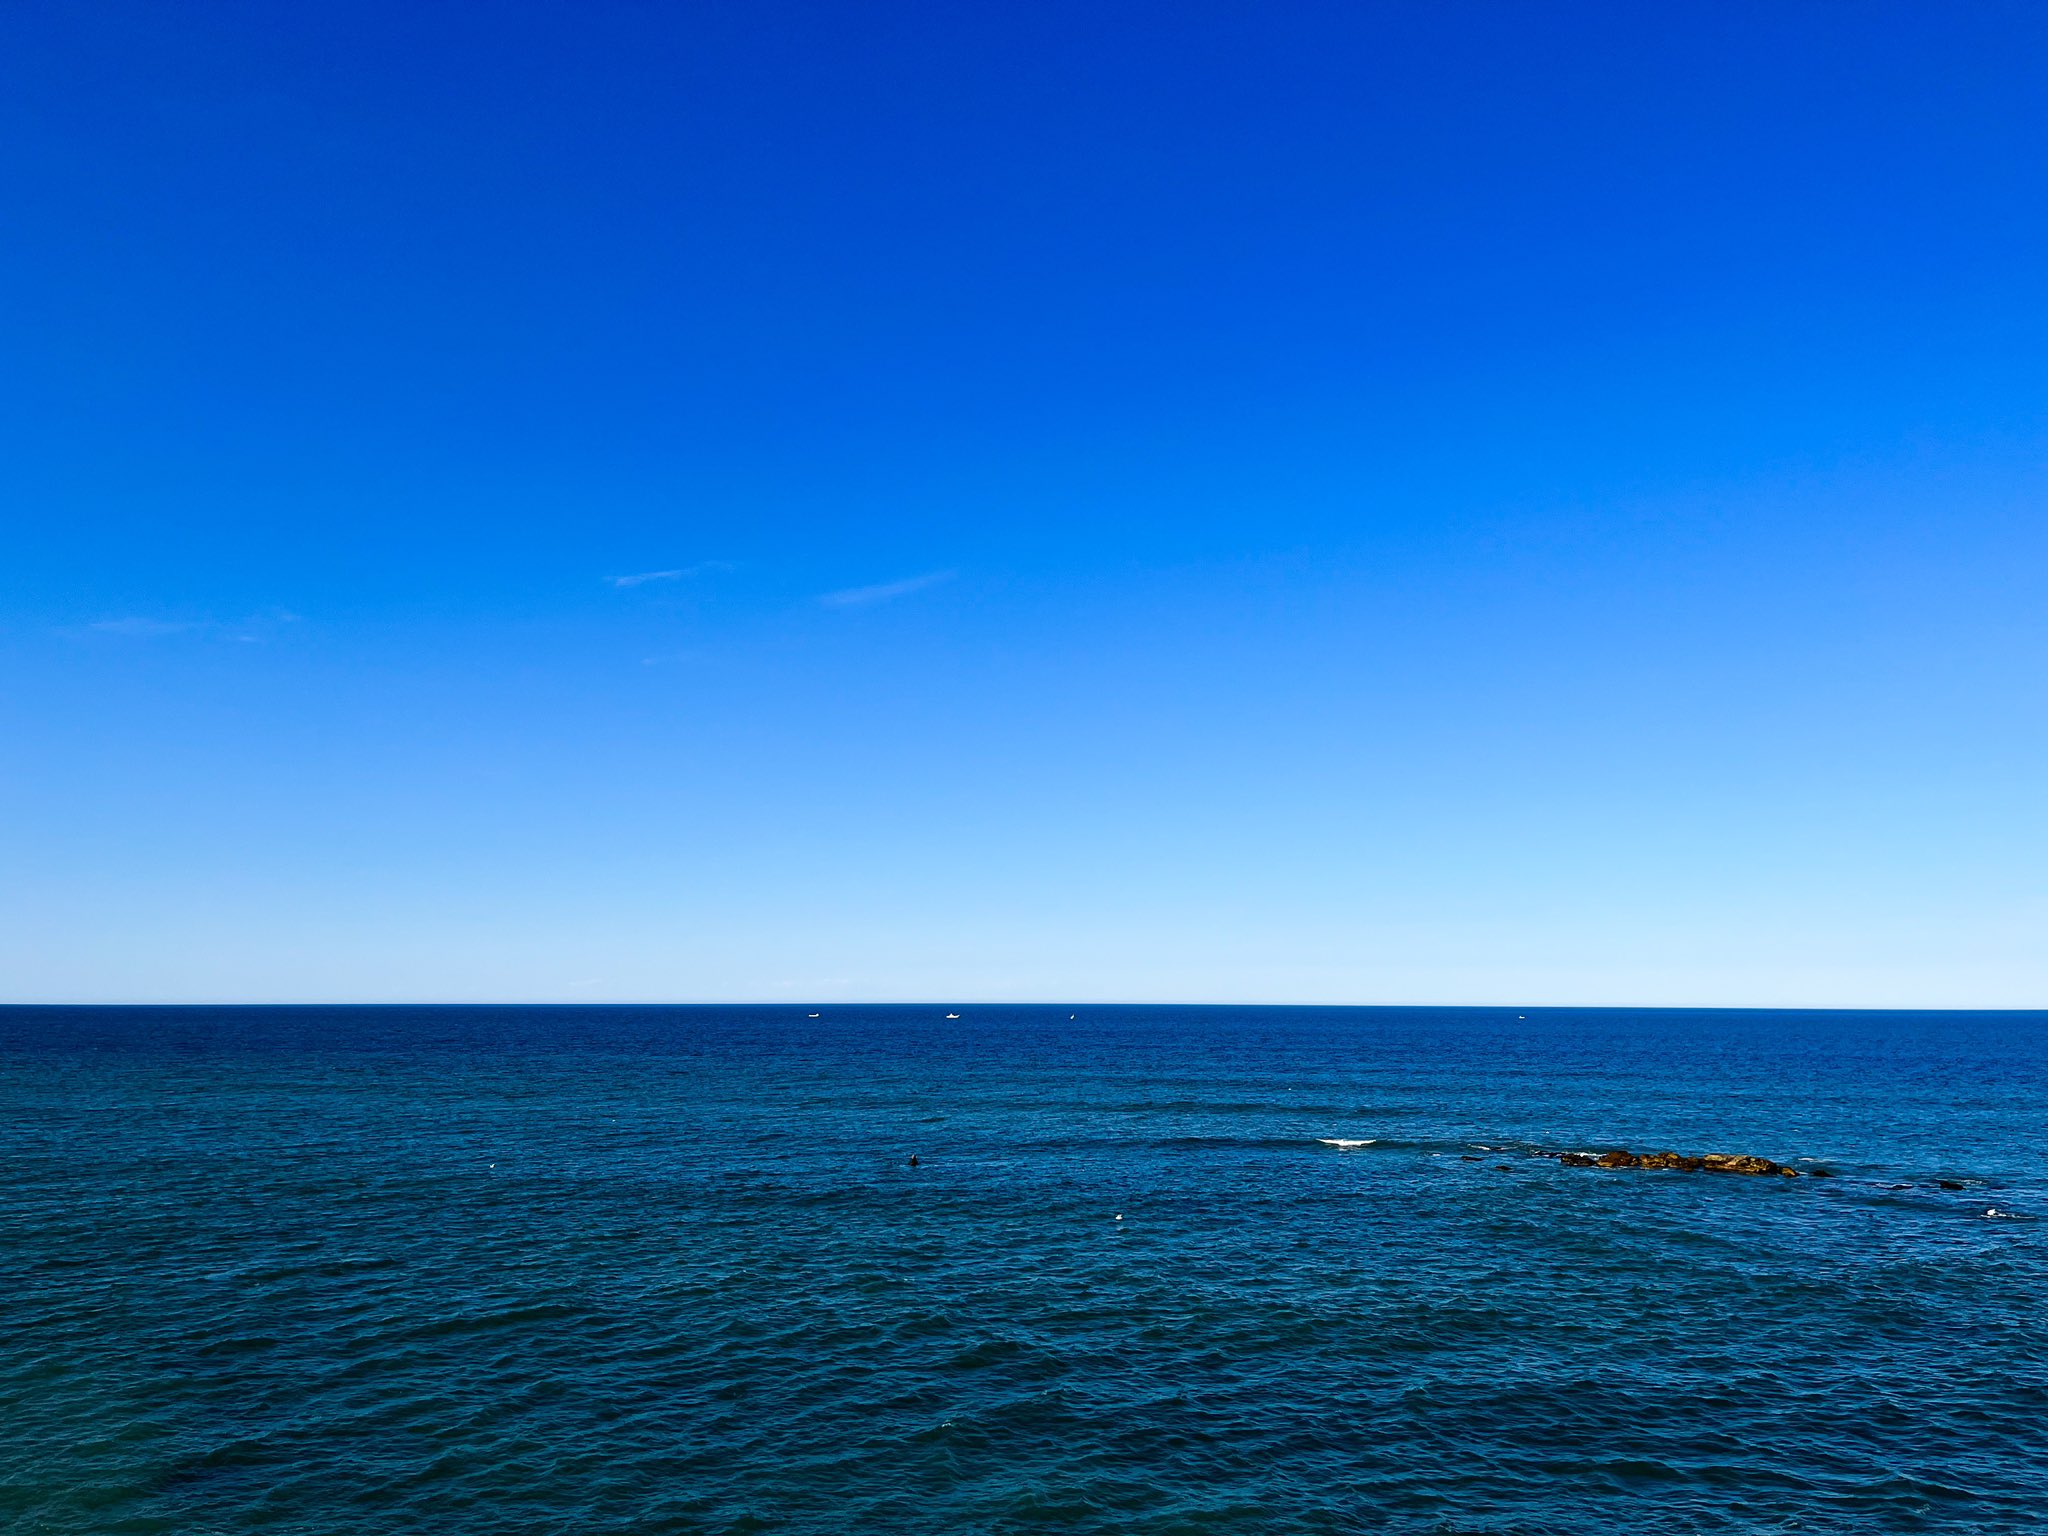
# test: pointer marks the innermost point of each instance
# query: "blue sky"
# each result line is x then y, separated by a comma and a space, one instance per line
1405, 503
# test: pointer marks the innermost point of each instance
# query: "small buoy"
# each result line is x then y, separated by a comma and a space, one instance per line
913, 1159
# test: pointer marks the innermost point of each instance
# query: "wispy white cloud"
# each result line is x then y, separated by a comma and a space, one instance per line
680, 573
882, 592
138, 628
257, 627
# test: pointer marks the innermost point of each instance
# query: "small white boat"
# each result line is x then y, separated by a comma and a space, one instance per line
952, 1015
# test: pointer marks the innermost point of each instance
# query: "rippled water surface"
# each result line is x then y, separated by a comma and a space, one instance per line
670, 1270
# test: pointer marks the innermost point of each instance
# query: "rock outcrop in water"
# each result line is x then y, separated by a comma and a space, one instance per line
1711, 1162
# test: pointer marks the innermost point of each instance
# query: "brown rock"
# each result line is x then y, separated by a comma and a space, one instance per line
1712, 1162
1755, 1167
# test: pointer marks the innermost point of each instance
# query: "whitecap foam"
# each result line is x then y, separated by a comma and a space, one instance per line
1346, 1142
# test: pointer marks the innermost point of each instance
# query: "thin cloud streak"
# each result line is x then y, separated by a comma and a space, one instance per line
137, 628
680, 573
256, 628
882, 592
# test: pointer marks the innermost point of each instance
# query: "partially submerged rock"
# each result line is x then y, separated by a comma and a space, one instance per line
1722, 1162
1710, 1162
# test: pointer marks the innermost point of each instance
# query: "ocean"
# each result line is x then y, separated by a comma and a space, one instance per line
1158, 1270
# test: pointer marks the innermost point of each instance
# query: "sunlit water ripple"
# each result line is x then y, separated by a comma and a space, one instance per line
669, 1270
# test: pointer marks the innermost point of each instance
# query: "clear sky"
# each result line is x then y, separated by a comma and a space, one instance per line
1376, 503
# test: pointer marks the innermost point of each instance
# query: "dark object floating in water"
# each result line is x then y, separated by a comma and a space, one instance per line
1711, 1162
1467, 1157
1503, 1167
1948, 1183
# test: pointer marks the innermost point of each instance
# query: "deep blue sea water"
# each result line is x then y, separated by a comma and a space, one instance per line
612, 1270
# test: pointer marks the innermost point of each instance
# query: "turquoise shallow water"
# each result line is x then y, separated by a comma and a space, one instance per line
669, 1270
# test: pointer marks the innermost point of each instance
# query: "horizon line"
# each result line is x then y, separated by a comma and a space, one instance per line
1073, 1003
